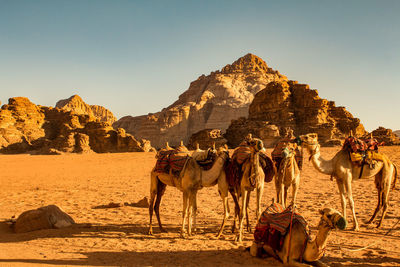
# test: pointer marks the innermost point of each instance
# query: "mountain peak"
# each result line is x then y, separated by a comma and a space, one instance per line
247, 63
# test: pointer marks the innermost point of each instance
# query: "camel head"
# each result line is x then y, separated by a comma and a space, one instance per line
256, 144
332, 218
309, 141
223, 152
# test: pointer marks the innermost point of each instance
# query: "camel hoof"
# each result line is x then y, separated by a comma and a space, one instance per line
356, 228
150, 232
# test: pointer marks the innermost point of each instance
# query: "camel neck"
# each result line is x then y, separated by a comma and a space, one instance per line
316, 248
208, 177
322, 165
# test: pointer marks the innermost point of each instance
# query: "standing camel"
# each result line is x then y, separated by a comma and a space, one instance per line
288, 174
252, 178
344, 171
301, 248
191, 179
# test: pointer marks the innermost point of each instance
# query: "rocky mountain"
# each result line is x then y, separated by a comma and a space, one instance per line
210, 102
397, 133
26, 127
205, 138
387, 136
283, 104
78, 106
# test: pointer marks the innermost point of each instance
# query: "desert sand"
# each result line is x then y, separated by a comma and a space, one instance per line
118, 236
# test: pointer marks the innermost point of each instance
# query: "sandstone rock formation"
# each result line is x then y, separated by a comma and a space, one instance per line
211, 102
385, 135
26, 127
47, 217
397, 133
78, 106
289, 104
206, 138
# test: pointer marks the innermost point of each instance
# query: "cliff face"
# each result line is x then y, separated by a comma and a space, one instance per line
387, 136
289, 104
78, 106
26, 127
211, 102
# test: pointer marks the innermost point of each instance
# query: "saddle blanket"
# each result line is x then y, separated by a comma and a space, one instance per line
171, 160
274, 224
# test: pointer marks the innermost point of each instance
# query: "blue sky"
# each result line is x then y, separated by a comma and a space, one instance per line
136, 57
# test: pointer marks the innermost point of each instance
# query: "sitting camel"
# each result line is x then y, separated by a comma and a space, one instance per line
288, 174
344, 171
191, 179
298, 247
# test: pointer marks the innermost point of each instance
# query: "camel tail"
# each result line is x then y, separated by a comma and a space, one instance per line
395, 176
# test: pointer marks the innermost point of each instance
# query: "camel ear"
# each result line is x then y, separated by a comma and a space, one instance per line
226, 146
197, 146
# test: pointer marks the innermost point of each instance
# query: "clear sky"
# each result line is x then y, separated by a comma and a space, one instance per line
136, 57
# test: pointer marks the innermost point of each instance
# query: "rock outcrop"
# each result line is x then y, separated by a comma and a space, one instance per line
206, 138
77, 105
26, 127
211, 102
289, 104
48, 217
387, 136
397, 133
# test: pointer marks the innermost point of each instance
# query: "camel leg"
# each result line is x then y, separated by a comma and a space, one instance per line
282, 195
385, 194
247, 212
377, 207
192, 200
184, 212
260, 190
351, 202
342, 197
153, 193
226, 215
194, 208
285, 194
160, 192
295, 188
242, 214
237, 209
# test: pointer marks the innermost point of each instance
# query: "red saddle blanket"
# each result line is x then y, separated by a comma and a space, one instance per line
356, 145
171, 161
233, 169
274, 224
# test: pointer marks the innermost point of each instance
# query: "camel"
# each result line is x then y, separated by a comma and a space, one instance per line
191, 179
344, 171
288, 174
313, 250
251, 171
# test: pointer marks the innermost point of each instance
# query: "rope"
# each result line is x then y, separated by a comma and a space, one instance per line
370, 245
290, 231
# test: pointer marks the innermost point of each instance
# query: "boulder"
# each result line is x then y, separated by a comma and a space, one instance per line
206, 138
47, 217
387, 136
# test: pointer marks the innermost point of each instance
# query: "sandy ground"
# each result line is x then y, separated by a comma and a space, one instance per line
117, 236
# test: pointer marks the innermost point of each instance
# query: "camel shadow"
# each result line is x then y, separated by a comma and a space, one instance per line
370, 261
232, 257
128, 231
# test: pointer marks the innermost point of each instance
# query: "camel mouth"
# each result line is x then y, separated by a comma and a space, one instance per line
341, 224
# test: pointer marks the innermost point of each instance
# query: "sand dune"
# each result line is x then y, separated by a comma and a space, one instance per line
117, 236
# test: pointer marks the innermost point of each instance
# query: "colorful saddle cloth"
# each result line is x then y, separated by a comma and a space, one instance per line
274, 224
362, 150
172, 161
233, 168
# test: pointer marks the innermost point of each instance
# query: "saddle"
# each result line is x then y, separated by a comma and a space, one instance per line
172, 161
363, 152
273, 226
233, 168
